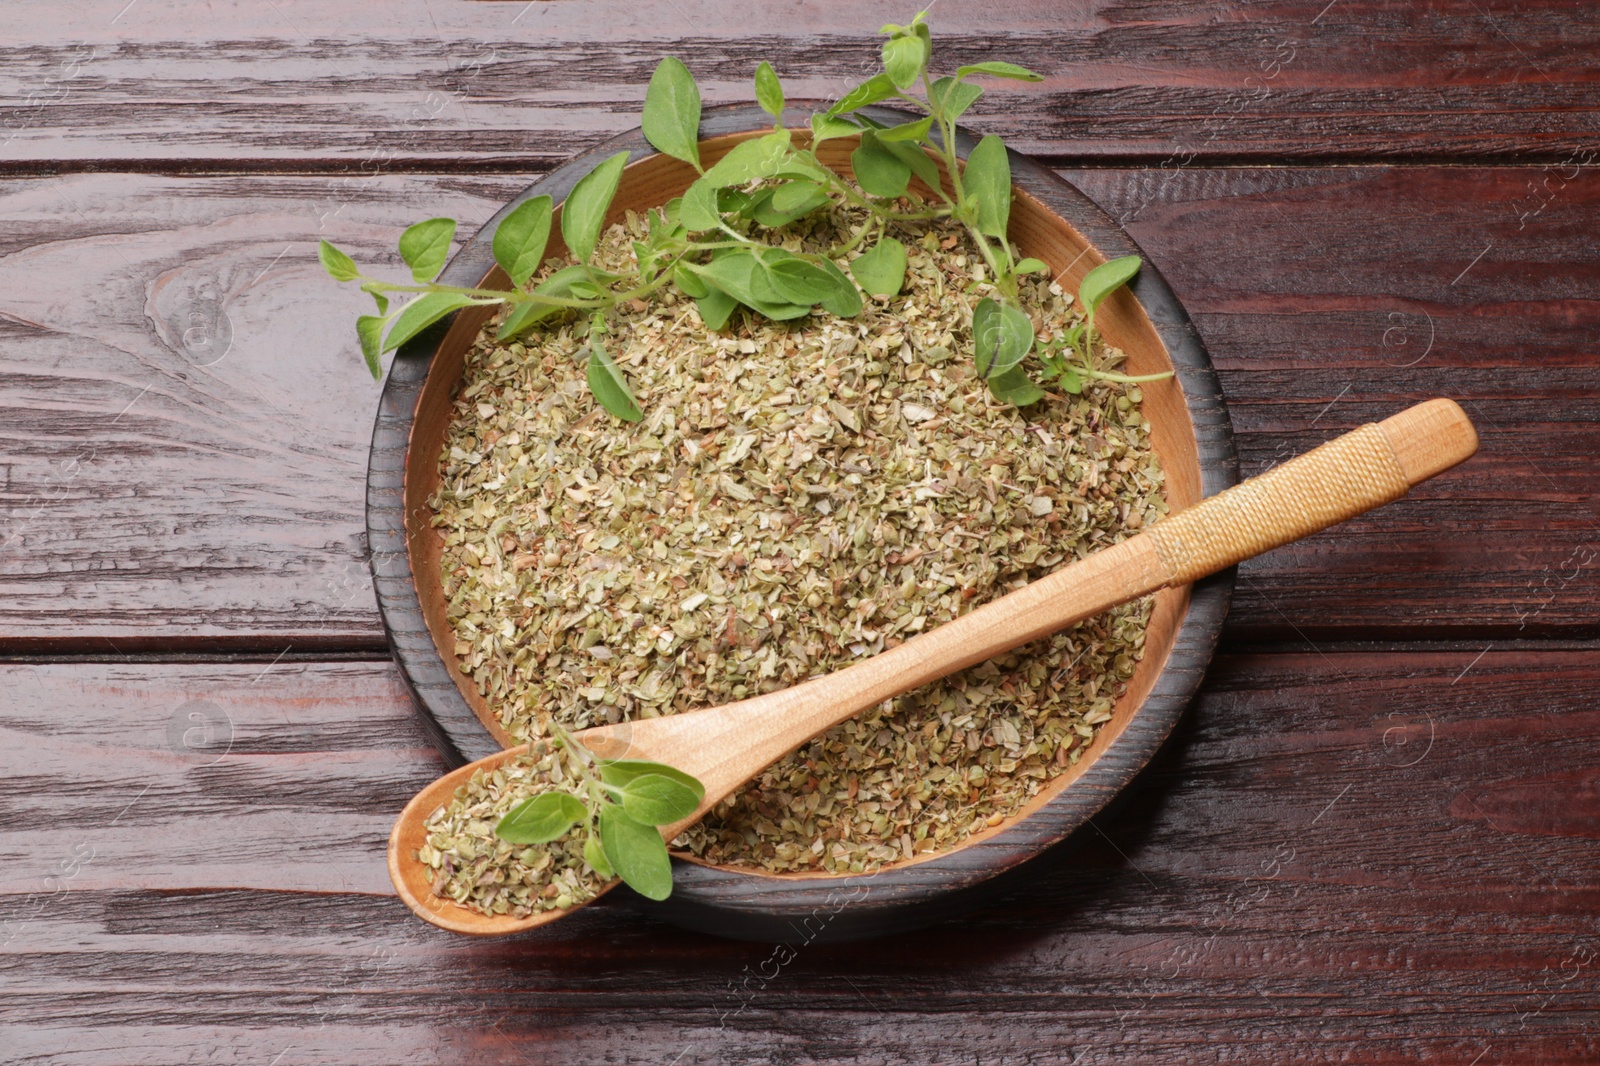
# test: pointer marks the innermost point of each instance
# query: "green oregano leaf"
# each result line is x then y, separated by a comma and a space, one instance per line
1015, 387
655, 799
636, 852
1104, 280
1001, 336
907, 131
595, 855
951, 98
521, 237
829, 127
559, 284
370, 329
879, 171
785, 203
987, 179
797, 281
426, 245
878, 87
881, 269
541, 819
618, 772
735, 273
1071, 381
688, 282
699, 209
845, 299
914, 157
902, 61
769, 90
421, 313
608, 384
583, 215
715, 308
760, 157
377, 297
671, 119
339, 266
997, 68
1032, 266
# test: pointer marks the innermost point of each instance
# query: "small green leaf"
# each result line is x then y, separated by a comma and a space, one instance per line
987, 179
377, 297
655, 799
541, 819
426, 245
699, 209
1104, 280
881, 269
997, 68
907, 131
1015, 387
608, 384
760, 157
688, 282
1032, 266
902, 60
339, 266
1071, 381
1001, 337
952, 98
792, 195
595, 855
797, 281
618, 772
421, 313
560, 284
520, 239
736, 274
671, 119
583, 215
715, 308
829, 127
878, 87
914, 157
769, 90
636, 853
797, 199
370, 329
879, 171
845, 300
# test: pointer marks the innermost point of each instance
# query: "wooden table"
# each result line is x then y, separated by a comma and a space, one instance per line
1372, 840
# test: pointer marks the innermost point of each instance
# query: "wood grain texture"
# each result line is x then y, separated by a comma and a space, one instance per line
186, 419
513, 85
1342, 856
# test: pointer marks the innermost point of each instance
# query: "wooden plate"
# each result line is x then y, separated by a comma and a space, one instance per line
1191, 432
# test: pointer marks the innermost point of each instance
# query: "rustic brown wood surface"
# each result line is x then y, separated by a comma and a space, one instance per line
1371, 840
1366, 856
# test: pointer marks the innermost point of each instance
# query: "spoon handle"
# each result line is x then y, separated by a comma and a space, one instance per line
1356, 472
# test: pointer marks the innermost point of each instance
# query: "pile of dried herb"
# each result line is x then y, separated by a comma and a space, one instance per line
478, 869
799, 495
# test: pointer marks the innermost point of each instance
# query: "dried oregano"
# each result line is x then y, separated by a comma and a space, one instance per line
829, 374
798, 495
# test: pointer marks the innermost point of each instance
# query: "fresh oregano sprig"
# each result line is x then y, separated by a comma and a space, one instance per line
719, 242
618, 803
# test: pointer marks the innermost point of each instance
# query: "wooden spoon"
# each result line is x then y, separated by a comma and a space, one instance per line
726, 746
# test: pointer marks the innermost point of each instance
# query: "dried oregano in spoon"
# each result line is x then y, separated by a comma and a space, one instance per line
548, 830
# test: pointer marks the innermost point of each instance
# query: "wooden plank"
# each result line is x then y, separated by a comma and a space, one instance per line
1374, 852
517, 85
186, 419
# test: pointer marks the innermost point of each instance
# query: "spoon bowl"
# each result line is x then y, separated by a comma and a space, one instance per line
726, 746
